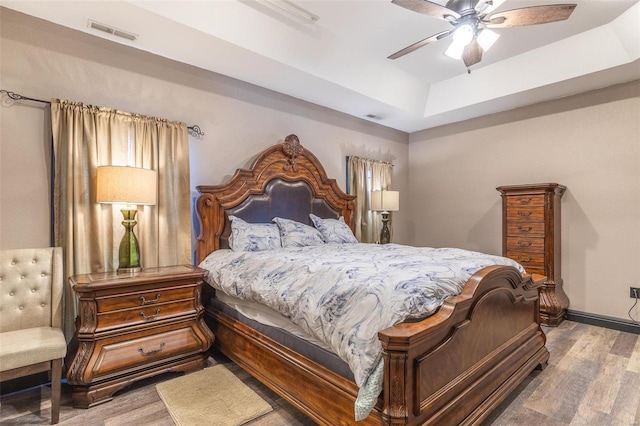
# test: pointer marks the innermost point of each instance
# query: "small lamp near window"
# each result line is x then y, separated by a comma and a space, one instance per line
385, 202
130, 186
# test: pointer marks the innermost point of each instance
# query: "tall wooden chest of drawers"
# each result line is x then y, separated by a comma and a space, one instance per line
133, 326
531, 237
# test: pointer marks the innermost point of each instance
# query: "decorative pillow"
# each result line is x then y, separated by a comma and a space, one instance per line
333, 230
253, 236
296, 234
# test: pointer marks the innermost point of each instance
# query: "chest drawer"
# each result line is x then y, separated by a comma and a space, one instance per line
527, 244
121, 353
525, 213
533, 260
533, 270
525, 200
525, 228
144, 314
143, 298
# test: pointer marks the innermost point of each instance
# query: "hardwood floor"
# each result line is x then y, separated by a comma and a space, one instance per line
593, 379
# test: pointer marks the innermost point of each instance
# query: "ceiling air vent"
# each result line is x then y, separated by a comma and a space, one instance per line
111, 30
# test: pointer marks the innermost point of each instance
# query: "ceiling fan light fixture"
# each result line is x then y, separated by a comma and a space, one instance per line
463, 34
486, 38
455, 50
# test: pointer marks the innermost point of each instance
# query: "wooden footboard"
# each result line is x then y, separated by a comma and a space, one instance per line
451, 368
459, 364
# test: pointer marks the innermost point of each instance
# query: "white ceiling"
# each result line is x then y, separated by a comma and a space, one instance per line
341, 60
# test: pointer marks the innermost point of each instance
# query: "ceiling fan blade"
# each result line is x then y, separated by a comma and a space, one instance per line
427, 8
418, 45
472, 53
530, 16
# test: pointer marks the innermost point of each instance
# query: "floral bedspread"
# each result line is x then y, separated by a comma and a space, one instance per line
343, 294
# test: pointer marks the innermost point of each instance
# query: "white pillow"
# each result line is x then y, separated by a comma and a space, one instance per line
296, 234
333, 230
253, 236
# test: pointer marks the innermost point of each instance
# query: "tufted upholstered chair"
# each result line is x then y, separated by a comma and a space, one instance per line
31, 337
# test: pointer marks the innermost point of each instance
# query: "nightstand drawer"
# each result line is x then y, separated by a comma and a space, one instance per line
527, 244
121, 353
144, 314
533, 260
525, 200
525, 213
525, 228
144, 298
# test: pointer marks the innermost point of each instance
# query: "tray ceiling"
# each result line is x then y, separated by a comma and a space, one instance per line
340, 61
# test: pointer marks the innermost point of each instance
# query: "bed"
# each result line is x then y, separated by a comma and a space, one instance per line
453, 367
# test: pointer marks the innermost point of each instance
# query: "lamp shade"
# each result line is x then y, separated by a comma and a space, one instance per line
126, 185
385, 201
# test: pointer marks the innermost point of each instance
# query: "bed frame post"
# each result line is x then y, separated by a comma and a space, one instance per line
395, 409
209, 214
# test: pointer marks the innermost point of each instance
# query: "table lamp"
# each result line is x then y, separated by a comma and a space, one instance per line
130, 186
385, 201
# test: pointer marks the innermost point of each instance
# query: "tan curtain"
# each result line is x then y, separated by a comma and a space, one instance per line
164, 146
85, 137
365, 176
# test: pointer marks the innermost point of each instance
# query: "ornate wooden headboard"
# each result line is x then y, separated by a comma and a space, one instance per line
286, 180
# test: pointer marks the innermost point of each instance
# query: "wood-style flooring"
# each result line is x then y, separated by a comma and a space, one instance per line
593, 379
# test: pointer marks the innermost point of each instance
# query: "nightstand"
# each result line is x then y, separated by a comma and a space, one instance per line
133, 326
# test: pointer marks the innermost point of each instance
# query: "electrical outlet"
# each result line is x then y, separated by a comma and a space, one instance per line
634, 292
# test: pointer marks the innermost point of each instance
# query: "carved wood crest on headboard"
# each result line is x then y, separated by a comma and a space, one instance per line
285, 178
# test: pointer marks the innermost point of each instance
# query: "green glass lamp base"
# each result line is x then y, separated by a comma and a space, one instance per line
129, 253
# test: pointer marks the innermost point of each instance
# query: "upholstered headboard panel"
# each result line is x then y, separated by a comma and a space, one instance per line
291, 200
286, 180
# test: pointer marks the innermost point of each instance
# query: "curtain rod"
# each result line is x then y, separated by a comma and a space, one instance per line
193, 130
371, 160
17, 97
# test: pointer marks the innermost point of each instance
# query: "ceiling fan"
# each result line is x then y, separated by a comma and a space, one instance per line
472, 22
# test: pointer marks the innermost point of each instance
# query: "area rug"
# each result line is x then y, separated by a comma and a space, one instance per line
213, 396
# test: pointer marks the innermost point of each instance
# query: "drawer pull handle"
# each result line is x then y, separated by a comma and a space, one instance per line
521, 259
524, 243
525, 214
148, 302
152, 351
150, 318
524, 229
525, 200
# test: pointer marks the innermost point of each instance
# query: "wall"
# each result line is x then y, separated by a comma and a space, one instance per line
588, 142
42, 60
447, 176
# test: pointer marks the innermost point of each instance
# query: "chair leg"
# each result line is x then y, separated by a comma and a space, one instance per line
56, 385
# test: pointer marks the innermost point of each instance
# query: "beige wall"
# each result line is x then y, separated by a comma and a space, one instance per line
447, 176
588, 142
42, 60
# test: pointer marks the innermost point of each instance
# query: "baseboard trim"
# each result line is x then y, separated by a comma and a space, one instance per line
25, 382
603, 321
